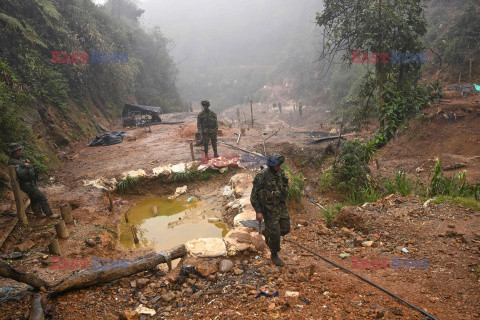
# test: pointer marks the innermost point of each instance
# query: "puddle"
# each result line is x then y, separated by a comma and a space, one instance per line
176, 222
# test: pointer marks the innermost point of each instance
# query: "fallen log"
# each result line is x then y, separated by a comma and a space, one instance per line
9, 272
244, 150
36, 309
330, 138
103, 274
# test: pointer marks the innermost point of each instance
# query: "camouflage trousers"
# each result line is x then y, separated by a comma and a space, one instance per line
206, 138
38, 201
277, 224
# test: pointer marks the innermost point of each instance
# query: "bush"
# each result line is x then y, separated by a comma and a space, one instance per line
456, 186
331, 211
351, 170
184, 176
296, 184
127, 184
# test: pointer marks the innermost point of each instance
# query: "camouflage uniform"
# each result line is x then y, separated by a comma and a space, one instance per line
208, 126
269, 197
27, 179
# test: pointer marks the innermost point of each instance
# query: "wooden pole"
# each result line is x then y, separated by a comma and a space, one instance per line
110, 201
239, 136
54, 247
66, 211
36, 310
251, 110
62, 230
134, 233
191, 150
18, 199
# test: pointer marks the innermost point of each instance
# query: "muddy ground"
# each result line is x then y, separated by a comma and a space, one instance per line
407, 228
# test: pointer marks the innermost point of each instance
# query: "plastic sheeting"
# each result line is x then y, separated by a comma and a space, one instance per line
108, 139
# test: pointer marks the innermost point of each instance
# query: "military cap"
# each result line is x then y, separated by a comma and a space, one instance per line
275, 159
206, 103
12, 147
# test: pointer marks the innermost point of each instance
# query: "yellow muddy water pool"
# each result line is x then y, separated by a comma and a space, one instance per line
162, 224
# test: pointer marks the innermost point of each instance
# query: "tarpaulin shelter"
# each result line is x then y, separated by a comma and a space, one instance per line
130, 111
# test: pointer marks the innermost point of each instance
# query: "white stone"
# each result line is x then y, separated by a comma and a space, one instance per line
244, 216
102, 183
134, 173
206, 247
144, 310
240, 239
227, 191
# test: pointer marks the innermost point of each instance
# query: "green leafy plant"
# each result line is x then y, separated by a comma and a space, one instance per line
205, 176
296, 184
126, 185
331, 211
186, 176
456, 186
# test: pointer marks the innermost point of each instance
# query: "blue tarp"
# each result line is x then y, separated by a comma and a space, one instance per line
477, 87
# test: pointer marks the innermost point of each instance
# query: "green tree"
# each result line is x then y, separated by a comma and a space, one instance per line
381, 26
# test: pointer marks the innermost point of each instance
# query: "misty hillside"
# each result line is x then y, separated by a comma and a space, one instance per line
47, 105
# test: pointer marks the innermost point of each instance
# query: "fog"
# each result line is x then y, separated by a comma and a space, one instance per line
226, 50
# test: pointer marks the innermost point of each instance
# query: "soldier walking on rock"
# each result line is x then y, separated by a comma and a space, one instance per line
208, 126
269, 199
27, 177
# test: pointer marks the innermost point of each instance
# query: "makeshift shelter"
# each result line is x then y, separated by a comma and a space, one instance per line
136, 115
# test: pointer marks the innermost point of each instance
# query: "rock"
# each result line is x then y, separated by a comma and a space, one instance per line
241, 184
207, 247
90, 242
226, 265
367, 243
397, 312
143, 310
451, 233
206, 268
133, 284
142, 282
169, 296
245, 215
344, 255
165, 314
212, 278
271, 306
466, 239
291, 294
242, 239
238, 271
322, 230
349, 217
169, 308
12, 255
197, 295
173, 276
129, 315
25, 246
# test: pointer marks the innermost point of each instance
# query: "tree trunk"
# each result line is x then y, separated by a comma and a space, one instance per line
104, 274
9, 272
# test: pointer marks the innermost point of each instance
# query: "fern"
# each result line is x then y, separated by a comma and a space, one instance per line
11, 21
49, 9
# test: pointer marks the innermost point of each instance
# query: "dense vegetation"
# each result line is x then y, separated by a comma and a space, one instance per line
46, 105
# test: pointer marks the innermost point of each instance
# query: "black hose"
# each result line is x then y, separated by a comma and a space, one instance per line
366, 280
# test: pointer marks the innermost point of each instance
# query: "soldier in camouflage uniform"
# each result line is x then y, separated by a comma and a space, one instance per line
27, 177
269, 199
208, 126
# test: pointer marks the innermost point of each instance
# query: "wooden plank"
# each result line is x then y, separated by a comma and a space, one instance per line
18, 198
7, 229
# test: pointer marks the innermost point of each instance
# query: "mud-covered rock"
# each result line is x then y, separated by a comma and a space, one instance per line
206, 248
351, 218
206, 268
242, 239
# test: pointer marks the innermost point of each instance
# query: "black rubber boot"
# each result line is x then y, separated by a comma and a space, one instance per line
47, 210
37, 209
277, 261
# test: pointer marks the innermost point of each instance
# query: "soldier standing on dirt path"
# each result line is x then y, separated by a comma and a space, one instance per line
27, 177
208, 126
269, 199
